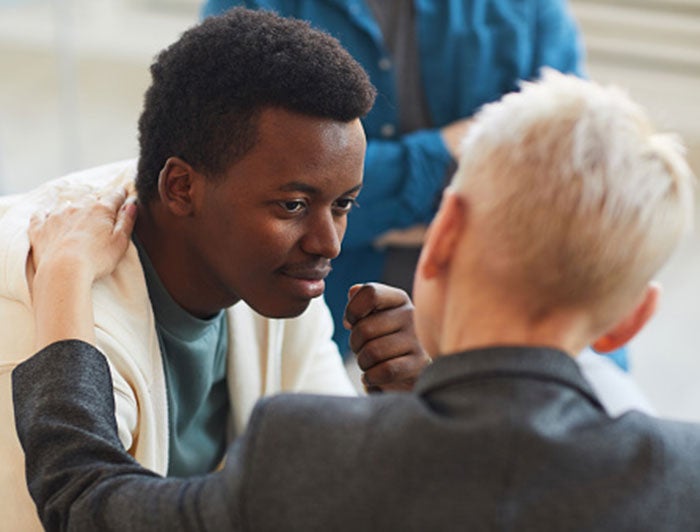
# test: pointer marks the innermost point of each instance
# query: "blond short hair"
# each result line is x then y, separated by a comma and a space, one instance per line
581, 196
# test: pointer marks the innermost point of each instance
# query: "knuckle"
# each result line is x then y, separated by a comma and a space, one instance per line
371, 292
349, 315
405, 315
371, 354
403, 295
385, 373
389, 371
356, 340
362, 332
354, 343
371, 329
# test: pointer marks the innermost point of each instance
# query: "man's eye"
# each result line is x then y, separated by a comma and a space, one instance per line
345, 205
293, 206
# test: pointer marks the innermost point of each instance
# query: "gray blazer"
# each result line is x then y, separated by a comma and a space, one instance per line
495, 439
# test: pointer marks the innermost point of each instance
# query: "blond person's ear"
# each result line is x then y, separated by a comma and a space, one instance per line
631, 324
443, 235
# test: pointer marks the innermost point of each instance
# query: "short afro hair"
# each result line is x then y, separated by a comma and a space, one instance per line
208, 89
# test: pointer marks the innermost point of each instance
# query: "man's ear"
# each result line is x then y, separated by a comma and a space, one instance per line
176, 185
443, 235
626, 329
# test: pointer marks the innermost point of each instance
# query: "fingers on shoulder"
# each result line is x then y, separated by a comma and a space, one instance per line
113, 200
36, 220
126, 218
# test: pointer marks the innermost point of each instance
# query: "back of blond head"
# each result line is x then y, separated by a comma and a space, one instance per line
582, 201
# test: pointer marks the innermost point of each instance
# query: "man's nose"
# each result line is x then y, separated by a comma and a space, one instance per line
323, 236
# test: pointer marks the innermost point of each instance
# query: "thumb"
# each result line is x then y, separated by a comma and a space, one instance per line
354, 289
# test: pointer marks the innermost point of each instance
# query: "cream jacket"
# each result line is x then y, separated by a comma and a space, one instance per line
266, 356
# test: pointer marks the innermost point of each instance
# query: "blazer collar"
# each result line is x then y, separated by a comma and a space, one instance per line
534, 363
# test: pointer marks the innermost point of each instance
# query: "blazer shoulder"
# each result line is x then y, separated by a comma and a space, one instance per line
300, 415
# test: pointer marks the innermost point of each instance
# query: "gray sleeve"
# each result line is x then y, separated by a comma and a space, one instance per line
78, 472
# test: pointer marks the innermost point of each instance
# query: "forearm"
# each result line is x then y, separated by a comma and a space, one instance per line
61, 294
135, 502
78, 473
71, 247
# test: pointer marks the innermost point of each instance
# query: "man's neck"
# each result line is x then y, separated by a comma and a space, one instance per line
167, 250
499, 320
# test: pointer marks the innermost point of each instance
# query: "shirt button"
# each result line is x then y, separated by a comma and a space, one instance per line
385, 63
387, 130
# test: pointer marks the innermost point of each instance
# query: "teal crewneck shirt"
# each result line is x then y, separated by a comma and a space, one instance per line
194, 360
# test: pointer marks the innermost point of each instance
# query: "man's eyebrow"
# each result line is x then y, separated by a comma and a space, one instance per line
356, 188
298, 186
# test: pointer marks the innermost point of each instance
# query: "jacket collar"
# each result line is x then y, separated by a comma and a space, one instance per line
525, 363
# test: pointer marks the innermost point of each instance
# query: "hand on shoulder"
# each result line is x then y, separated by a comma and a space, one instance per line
87, 237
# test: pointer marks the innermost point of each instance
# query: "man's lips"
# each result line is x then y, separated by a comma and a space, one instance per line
307, 273
307, 282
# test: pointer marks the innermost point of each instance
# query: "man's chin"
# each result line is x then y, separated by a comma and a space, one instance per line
288, 309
